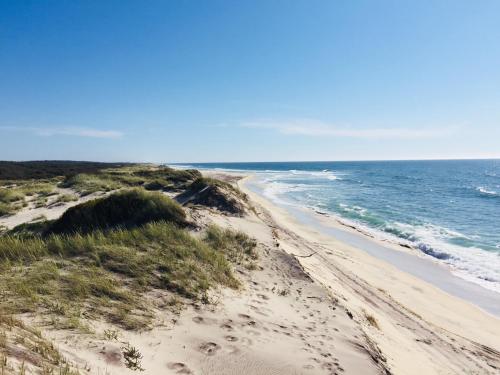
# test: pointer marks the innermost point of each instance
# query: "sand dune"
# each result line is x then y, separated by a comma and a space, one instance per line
314, 305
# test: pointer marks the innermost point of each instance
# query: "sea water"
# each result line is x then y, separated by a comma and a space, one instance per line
448, 210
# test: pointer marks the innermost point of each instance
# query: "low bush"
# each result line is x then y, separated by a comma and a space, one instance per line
123, 209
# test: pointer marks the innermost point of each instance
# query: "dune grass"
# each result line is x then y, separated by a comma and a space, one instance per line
215, 193
14, 197
101, 259
152, 178
5, 209
33, 352
204, 182
238, 247
107, 274
126, 209
46, 169
86, 184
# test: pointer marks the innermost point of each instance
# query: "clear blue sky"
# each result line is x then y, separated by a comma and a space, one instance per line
249, 80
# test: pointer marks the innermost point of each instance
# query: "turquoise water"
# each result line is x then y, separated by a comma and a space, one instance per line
449, 210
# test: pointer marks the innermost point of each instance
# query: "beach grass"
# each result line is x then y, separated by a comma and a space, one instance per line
125, 209
102, 258
106, 274
152, 178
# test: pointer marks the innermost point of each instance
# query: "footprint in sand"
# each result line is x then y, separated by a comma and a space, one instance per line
209, 348
179, 368
202, 320
231, 338
112, 355
227, 325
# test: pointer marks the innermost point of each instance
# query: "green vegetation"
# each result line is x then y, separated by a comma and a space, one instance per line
86, 184
132, 357
239, 248
107, 274
204, 182
31, 229
215, 193
14, 196
65, 198
105, 259
125, 209
5, 209
30, 347
28, 170
151, 178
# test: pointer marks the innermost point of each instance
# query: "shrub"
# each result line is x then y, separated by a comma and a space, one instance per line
124, 209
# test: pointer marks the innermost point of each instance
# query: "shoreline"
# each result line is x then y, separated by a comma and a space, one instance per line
418, 325
298, 219
404, 257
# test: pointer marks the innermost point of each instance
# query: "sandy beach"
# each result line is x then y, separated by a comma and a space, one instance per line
421, 329
313, 305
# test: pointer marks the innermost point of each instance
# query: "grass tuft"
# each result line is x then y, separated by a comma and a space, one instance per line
123, 209
107, 274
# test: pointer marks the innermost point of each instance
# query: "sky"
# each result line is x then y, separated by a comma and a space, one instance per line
207, 81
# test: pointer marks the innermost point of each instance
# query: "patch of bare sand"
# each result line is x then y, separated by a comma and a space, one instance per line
51, 211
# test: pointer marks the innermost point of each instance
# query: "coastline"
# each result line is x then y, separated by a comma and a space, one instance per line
309, 303
336, 265
404, 257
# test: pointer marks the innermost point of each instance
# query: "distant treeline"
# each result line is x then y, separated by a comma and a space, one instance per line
25, 170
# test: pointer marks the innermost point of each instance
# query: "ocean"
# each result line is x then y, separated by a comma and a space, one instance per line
448, 209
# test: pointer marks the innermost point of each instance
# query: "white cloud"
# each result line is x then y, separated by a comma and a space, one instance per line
315, 128
67, 130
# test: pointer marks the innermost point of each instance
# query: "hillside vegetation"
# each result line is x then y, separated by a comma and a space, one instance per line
45, 169
105, 259
125, 209
35, 182
215, 193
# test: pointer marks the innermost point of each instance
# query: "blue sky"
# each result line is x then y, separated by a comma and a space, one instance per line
186, 81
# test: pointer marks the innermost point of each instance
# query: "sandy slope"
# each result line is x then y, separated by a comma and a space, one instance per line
280, 322
421, 330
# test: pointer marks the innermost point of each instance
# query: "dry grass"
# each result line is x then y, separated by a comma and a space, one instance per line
371, 320
107, 274
23, 349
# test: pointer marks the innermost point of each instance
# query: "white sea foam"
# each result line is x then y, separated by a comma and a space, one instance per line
470, 263
325, 174
487, 191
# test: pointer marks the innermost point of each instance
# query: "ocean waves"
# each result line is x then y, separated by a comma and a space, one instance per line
395, 209
447, 211
490, 193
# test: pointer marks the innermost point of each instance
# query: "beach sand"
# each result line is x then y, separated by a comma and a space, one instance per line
420, 329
